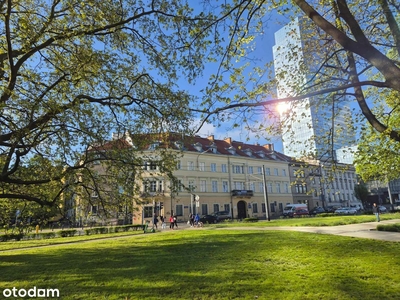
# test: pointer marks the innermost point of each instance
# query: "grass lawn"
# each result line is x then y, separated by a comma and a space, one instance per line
210, 264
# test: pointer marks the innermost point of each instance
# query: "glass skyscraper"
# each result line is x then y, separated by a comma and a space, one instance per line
316, 126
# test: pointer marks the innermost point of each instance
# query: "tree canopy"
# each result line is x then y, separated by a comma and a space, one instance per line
73, 72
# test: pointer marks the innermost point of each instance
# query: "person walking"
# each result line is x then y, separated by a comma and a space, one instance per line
155, 221
171, 222
162, 218
191, 219
175, 222
375, 210
197, 220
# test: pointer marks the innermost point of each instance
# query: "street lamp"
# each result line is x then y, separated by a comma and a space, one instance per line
265, 194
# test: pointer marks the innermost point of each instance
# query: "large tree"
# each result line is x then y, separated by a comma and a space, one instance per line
354, 50
73, 72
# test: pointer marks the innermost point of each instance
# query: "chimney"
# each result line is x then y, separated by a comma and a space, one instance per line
211, 138
228, 140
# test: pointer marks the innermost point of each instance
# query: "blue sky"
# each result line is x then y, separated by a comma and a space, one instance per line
262, 51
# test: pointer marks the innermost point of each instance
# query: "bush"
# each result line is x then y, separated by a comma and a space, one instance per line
67, 233
250, 220
389, 227
47, 235
11, 237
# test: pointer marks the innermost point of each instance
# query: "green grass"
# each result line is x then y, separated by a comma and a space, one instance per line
211, 264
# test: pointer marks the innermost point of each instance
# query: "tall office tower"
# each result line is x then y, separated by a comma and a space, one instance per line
316, 126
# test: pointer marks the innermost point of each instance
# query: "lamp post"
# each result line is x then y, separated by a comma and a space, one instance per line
265, 194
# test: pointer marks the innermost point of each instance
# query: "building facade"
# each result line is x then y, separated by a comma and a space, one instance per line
221, 175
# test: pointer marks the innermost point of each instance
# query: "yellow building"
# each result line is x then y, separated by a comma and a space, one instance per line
217, 175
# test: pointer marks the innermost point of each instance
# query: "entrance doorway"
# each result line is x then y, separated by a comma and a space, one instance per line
242, 209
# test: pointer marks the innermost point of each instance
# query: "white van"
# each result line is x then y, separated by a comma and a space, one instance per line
291, 208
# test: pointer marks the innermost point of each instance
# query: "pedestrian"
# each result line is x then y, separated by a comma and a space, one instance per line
191, 220
375, 210
162, 219
197, 220
171, 222
155, 221
175, 222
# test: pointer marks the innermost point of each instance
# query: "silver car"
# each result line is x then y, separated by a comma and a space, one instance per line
346, 211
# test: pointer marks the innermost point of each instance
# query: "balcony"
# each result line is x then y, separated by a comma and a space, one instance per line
242, 193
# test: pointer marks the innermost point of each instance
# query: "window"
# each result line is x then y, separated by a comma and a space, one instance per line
94, 209
263, 207
224, 169
204, 209
227, 207
284, 172
191, 184
94, 194
213, 167
148, 211
280, 206
237, 169
261, 187
255, 208
276, 172
190, 165
250, 170
286, 188
259, 170
301, 189
225, 186
179, 210
180, 185
251, 186
278, 187
178, 165
216, 207
267, 171
269, 185
214, 185
239, 185
202, 166
153, 166
272, 207
203, 186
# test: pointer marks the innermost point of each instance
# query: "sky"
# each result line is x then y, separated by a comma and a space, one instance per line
262, 51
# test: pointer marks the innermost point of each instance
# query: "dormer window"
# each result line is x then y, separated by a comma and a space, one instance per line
232, 150
248, 152
213, 148
261, 154
198, 147
179, 145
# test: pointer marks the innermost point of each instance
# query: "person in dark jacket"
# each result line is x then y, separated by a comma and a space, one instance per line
375, 210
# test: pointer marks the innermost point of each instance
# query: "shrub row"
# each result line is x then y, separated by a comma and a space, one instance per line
389, 227
250, 220
67, 233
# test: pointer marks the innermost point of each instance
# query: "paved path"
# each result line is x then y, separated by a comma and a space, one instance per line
363, 230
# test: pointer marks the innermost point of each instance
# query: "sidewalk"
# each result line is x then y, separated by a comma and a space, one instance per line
363, 230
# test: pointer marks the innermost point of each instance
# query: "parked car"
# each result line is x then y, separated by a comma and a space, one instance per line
208, 219
346, 211
317, 210
300, 212
332, 208
382, 209
222, 215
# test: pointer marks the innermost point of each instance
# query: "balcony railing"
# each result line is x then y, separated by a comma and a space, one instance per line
243, 193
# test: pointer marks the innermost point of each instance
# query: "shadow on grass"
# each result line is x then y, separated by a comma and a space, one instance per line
210, 265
